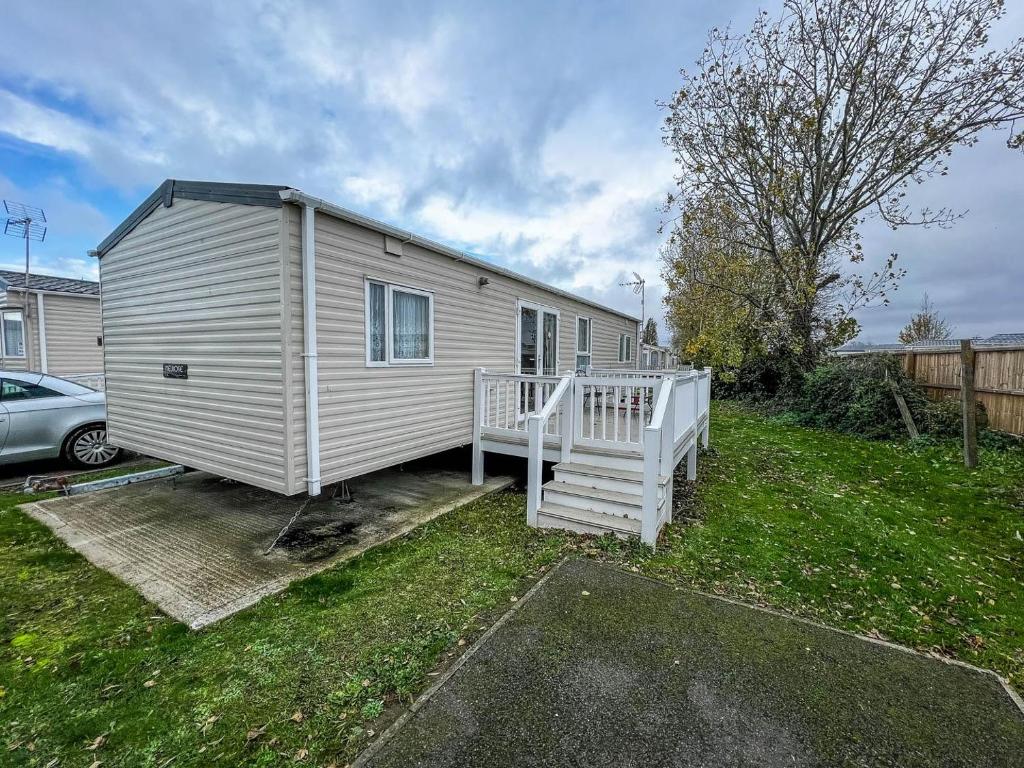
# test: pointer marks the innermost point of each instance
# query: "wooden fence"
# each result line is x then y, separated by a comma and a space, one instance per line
998, 380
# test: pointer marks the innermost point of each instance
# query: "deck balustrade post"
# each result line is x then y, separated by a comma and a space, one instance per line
568, 406
534, 468
705, 433
668, 432
691, 461
649, 504
478, 421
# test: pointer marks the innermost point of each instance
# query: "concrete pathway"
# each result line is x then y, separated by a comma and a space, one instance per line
602, 668
197, 545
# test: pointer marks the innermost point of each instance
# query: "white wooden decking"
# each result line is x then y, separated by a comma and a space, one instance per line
615, 439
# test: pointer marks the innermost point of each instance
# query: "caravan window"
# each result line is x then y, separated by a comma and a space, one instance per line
583, 343
13, 334
399, 325
625, 348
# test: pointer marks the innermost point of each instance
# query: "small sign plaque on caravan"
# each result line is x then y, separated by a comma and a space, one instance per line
175, 370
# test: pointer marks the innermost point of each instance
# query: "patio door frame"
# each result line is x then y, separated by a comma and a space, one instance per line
541, 310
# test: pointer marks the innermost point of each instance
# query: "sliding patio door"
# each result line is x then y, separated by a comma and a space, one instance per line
538, 340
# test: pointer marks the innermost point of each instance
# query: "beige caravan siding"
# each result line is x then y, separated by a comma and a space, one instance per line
199, 283
72, 325
377, 417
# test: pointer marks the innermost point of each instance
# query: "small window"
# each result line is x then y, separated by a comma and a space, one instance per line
13, 334
22, 390
399, 325
584, 343
625, 348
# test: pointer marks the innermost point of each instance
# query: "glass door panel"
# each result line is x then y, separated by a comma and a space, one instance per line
528, 341
549, 347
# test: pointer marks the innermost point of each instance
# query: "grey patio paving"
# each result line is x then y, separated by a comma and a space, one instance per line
603, 668
197, 546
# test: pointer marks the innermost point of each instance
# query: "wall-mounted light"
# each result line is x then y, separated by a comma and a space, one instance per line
484, 281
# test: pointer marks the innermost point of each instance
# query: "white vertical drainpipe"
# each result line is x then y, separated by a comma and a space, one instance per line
41, 325
309, 351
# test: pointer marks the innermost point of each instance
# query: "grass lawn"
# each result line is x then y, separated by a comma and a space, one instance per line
885, 539
875, 537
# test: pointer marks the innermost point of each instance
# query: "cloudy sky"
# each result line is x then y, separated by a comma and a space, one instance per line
525, 132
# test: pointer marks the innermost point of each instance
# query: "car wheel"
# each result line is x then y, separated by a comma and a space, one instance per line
88, 447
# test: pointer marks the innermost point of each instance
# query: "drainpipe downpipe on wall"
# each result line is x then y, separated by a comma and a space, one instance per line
309, 352
41, 325
309, 355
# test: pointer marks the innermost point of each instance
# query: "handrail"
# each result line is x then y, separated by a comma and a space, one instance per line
535, 444
658, 450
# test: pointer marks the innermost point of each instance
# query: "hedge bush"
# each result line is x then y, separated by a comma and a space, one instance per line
853, 395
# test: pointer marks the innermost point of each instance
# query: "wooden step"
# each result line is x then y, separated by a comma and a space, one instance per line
592, 470
601, 457
626, 480
585, 521
595, 499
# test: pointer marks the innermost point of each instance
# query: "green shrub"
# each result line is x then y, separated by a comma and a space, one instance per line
943, 418
853, 395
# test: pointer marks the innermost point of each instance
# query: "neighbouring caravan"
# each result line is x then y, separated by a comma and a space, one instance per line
224, 305
60, 331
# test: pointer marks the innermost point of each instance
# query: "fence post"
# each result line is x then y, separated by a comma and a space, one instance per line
478, 420
968, 405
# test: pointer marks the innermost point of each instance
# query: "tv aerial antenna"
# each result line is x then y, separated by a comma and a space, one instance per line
639, 286
28, 223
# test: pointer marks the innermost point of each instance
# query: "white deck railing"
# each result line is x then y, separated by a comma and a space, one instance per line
510, 398
558, 406
611, 410
657, 416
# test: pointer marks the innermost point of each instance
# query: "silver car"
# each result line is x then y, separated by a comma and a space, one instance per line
43, 417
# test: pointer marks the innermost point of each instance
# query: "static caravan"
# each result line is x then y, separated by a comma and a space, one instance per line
56, 331
278, 339
655, 357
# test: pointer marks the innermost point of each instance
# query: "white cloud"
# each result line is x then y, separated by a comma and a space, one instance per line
40, 125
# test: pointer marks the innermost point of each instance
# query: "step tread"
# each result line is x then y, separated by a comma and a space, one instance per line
589, 517
572, 489
592, 469
615, 452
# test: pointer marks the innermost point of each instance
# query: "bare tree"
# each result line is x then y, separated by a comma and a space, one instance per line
926, 325
812, 122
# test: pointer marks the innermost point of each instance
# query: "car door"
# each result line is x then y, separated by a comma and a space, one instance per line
5, 426
36, 420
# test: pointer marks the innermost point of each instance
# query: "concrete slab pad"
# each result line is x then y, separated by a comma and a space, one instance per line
197, 546
598, 667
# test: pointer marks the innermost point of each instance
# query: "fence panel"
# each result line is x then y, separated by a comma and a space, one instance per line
998, 381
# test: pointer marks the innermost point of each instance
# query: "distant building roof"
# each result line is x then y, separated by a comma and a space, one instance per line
12, 279
1005, 338
932, 343
858, 346
998, 340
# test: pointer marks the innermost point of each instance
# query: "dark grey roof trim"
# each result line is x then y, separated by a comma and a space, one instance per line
210, 191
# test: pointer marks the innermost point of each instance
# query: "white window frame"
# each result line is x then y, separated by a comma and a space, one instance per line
524, 303
390, 360
3, 333
589, 352
625, 348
